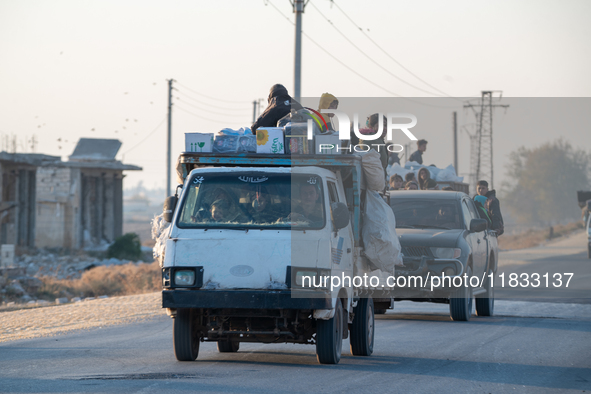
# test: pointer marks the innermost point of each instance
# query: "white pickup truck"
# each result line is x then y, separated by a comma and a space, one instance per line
251, 238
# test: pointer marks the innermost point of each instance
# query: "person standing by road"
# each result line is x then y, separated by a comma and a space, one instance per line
492, 206
417, 156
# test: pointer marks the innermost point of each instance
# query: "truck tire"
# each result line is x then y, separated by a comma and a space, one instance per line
485, 303
363, 328
227, 346
329, 337
185, 335
460, 302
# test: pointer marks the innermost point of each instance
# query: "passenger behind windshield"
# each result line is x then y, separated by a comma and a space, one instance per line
309, 209
252, 200
426, 214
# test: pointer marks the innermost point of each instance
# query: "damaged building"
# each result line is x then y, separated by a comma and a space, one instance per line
74, 204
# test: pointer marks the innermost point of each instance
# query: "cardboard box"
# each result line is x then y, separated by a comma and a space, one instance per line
198, 142
270, 140
297, 145
327, 144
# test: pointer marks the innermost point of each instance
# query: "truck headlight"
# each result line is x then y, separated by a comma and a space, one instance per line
446, 253
184, 278
310, 278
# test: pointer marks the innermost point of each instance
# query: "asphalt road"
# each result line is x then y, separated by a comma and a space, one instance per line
547, 267
528, 347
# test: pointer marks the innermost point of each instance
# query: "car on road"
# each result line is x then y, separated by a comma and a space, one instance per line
448, 251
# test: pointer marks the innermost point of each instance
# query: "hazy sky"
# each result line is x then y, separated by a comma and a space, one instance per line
72, 69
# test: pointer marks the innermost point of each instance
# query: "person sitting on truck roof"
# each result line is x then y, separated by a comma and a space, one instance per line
280, 104
425, 181
328, 101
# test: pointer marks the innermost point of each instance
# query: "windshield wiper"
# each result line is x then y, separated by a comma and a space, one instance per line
403, 226
430, 226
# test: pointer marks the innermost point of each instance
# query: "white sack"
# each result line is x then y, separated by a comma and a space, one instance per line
396, 169
375, 178
449, 175
381, 243
159, 233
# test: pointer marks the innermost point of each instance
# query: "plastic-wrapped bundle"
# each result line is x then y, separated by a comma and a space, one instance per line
381, 244
234, 144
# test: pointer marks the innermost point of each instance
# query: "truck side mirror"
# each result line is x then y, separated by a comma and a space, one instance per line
169, 206
478, 225
340, 215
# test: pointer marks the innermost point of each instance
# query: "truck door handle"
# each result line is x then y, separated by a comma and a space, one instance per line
478, 240
348, 250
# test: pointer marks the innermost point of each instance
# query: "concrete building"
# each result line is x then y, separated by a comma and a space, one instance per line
73, 204
18, 196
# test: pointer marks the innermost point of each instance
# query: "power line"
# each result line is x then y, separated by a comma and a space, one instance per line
202, 117
387, 54
145, 138
369, 57
209, 111
204, 103
209, 97
349, 68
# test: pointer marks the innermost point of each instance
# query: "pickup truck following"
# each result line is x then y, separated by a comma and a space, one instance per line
442, 234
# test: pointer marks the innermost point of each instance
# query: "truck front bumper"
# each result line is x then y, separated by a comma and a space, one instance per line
241, 299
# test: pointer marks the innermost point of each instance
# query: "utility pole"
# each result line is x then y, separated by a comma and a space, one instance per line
298, 9
168, 149
254, 111
483, 143
456, 142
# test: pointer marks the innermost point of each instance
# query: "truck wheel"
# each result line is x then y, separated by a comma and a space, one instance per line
329, 337
460, 302
485, 303
362, 328
227, 346
185, 335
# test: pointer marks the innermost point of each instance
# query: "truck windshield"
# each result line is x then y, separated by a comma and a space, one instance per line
412, 213
253, 200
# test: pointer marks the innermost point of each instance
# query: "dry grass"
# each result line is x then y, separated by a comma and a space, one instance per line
531, 238
118, 280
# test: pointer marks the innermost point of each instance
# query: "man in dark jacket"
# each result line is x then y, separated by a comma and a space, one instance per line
418, 154
492, 205
280, 104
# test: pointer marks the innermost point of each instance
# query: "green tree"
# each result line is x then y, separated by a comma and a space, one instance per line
126, 247
544, 181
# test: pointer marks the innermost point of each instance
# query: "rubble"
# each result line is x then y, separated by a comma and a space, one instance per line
21, 281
